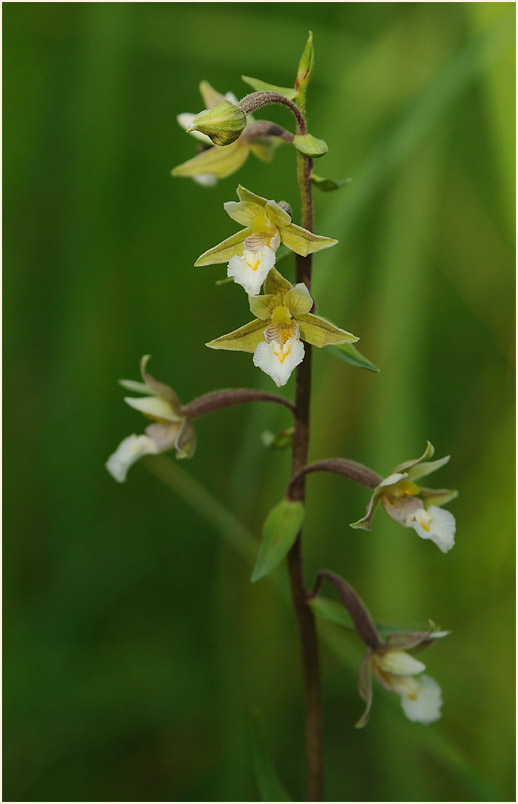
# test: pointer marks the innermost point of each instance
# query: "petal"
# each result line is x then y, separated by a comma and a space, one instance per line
225, 250
441, 528
319, 332
303, 242
279, 361
276, 284
219, 161
365, 522
426, 468
262, 306
153, 406
437, 496
241, 213
425, 706
263, 148
160, 388
137, 387
205, 180
404, 510
298, 300
392, 479
248, 197
164, 435
251, 269
400, 663
428, 453
127, 453
365, 688
211, 97
244, 339
277, 215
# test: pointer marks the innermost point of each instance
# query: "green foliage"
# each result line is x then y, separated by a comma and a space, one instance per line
262, 86
279, 533
268, 783
352, 355
309, 145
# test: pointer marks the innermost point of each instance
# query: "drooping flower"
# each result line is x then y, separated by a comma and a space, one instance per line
171, 427
219, 161
399, 672
413, 506
282, 321
267, 225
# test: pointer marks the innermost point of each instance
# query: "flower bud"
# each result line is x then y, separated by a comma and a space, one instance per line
223, 123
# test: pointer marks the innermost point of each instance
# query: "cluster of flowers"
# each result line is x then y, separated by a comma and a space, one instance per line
283, 318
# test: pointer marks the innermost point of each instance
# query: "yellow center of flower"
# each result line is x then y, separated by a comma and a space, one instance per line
281, 354
423, 518
253, 261
281, 315
405, 488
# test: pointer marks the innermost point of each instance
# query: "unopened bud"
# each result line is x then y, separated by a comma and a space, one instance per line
223, 123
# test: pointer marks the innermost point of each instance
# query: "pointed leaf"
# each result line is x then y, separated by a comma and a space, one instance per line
310, 146
224, 251
319, 332
326, 185
219, 161
353, 356
263, 86
303, 242
244, 339
279, 533
268, 783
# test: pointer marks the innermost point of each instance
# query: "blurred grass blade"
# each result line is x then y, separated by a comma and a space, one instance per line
353, 356
268, 783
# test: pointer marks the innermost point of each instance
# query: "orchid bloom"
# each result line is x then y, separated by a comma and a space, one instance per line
283, 321
251, 252
413, 506
399, 672
171, 428
219, 161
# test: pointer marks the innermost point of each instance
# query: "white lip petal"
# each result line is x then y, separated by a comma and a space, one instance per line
425, 706
439, 527
127, 453
251, 269
279, 361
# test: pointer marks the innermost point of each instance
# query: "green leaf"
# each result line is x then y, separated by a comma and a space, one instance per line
352, 355
268, 783
279, 533
334, 612
326, 185
278, 441
319, 332
306, 63
309, 145
244, 339
263, 86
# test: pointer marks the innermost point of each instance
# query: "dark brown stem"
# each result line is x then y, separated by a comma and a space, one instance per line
263, 128
215, 400
360, 616
339, 466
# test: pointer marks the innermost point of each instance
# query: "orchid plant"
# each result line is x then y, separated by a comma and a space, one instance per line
280, 336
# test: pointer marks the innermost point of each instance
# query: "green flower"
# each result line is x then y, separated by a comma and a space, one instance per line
219, 161
266, 223
413, 506
282, 321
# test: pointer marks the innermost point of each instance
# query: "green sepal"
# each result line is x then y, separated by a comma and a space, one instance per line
269, 786
306, 64
310, 146
327, 185
244, 339
248, 197
303, 242
211, 97
263, 86
138, 387
319, 332
353, 356
275, 283
365, 689
225, 250
223, 123
426, 468
279, 533
406, 465
216, 161
264, 148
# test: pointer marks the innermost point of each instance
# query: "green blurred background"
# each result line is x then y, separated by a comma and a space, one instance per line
135, 645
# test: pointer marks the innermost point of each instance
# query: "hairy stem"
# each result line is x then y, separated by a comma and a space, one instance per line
215, 400
304, 614
339, 466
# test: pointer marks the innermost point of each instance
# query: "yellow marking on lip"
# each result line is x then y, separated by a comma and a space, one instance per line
253, 265
282, 355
